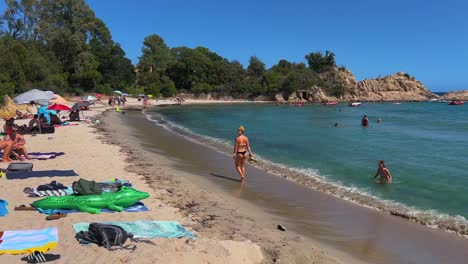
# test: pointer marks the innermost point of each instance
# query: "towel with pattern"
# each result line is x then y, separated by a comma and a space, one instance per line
33, 192
147, 229
45, 155
28, 241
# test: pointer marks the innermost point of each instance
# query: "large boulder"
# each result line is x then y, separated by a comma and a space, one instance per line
262, 98
279, 97
9, 108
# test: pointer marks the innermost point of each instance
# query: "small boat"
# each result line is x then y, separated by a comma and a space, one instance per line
330, 103
456, 102
355, 104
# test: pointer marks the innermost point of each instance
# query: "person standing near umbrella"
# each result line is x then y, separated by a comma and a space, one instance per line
124, 100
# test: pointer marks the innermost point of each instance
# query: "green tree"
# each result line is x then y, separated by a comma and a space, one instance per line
319, 62
256, 67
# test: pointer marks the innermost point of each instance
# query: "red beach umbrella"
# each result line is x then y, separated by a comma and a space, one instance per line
59, 107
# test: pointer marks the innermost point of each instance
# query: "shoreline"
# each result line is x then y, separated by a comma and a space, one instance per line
229, 219
399, 220
452, 224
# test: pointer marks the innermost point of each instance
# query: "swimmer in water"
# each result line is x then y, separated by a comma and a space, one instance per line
365, 121
379, 120
385, 175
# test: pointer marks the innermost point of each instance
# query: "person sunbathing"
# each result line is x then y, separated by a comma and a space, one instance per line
20, 115
19, 143
6, 145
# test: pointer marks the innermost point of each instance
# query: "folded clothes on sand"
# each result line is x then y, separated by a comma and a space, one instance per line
138, 207
28, 241
147, 229
36, 174
3, 208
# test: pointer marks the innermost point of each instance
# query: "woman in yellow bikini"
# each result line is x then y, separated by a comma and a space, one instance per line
241, 147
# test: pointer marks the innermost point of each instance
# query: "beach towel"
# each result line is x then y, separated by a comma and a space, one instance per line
28, 241
66, 124
3, 208
147, 229
138, 207
35, 174
33, 192
45, 155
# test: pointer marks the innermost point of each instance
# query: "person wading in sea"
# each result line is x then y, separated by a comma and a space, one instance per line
241, 147
365, 121
385, 175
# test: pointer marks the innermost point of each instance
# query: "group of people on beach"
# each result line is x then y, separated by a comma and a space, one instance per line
117, 100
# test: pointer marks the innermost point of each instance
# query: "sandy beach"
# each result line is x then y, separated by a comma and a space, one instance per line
104, 152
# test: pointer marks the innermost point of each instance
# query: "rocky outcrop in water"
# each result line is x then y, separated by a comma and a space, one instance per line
396, 87
458, 95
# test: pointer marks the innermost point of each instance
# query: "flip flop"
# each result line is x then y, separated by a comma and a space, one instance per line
55, 216
24, 208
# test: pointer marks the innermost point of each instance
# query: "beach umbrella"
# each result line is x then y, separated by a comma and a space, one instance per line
89, 98
36, 97
59, 107
142, 95
118, 92
33, 96
125, 94
58, 100
80, 105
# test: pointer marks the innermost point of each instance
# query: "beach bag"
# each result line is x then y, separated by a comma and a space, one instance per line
19, 166
111, 237
84, 187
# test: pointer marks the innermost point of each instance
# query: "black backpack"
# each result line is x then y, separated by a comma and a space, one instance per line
108, 236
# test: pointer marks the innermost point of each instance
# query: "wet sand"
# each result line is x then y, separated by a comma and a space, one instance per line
354, 231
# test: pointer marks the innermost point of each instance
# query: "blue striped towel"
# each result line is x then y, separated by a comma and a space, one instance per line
147, 229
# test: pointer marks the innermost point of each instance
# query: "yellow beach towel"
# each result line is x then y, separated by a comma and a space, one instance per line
27, 241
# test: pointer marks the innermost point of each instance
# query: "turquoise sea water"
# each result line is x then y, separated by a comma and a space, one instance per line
423, 144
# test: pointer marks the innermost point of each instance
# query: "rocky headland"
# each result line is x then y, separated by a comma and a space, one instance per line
396, 87
458, 96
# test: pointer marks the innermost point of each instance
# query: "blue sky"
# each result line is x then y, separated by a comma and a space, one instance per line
428, 39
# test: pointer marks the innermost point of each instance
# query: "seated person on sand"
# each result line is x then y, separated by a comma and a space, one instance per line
45, 127
21, 115
34, 124
19, 143
6, 145
9, 122
385, 175
55, 120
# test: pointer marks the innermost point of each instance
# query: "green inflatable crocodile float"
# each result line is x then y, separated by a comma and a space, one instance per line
93, 204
